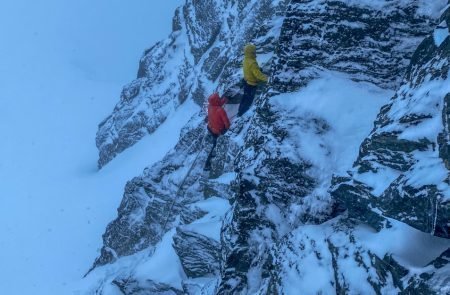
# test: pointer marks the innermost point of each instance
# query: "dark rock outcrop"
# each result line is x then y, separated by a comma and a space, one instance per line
435, 274
369, 44
130, 286
402, 169
199, 255
443, 138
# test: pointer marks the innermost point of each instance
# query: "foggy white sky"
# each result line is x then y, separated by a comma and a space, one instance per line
62, 66
102, 38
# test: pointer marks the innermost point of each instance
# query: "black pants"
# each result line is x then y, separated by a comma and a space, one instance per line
247, 99
213, 137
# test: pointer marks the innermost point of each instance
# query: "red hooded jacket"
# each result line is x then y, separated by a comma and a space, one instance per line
217, 117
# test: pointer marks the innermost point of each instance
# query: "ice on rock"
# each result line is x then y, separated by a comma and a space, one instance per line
441, 33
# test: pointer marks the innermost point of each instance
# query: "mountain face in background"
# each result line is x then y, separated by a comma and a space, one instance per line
302, 196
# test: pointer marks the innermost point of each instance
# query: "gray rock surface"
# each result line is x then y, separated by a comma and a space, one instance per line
130, 286
369, 44
199, 255
408, 148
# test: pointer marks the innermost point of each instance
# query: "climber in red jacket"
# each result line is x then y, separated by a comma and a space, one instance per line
218, 122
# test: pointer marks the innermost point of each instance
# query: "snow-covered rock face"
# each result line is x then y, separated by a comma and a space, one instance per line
153, 201
204, 51
402, 170
286, 164
352, 37
344, 257
263, 220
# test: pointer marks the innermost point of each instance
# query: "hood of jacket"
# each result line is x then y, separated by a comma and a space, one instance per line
215, 100
250, 51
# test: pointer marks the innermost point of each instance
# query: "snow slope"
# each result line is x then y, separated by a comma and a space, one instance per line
350, 112
61, 68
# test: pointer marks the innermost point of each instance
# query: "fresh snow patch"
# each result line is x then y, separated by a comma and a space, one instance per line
160, 264
415, 103
347, 106
353, 25
226, 178
425, 100
429, 170
441, 33
265, 58
327, 122
163, 266
410, 247
210, 225
232, 111
156, 145
314, 273
378, 181
426, 129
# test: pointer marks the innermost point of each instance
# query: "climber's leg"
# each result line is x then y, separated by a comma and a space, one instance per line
212, 137
247, 99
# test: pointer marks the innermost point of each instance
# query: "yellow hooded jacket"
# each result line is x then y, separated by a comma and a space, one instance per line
252, 73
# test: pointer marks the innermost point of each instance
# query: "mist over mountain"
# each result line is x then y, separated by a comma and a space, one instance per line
335, 181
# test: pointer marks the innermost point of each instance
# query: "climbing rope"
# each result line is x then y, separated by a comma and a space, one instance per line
172, 205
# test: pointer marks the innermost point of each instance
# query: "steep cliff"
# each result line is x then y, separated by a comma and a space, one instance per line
201, 54
402, 168
279, 213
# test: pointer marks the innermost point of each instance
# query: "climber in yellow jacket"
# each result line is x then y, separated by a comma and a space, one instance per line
252, 76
